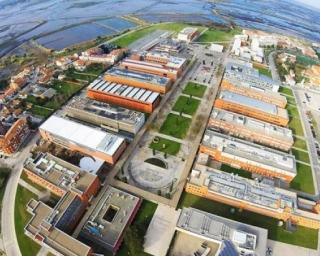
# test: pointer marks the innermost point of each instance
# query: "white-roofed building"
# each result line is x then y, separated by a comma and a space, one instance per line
82, 138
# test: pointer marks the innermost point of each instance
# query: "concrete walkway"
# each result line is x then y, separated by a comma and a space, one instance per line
178, 114
168, 137
281, 249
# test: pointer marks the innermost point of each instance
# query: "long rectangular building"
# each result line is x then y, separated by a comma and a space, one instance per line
110, 218
249, 156
249, 77
59, 176
250, 195
108, 116
251, 129
252, 107
150, 68
124, 95
138, 79
82, 138
265, 96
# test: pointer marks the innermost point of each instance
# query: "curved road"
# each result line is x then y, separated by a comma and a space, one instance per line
10, 243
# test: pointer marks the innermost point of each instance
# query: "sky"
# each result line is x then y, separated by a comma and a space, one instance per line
315, 3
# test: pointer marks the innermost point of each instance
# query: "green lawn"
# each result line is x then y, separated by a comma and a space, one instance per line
186, 105
130, 37
65, 88
194, 89
304, 180
95, 69
292, 111
167, 146
216, 35
142, 220
302, 237
300, 143
291, 100
301, 155
296, 126
263, 70
286, 90
176, 126
21, 217
41, 111
241, 173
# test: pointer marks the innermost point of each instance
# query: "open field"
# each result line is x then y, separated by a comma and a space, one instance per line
167, 146
301, 155
128, 38
241, 173
186, 105
296, 126
194, 89
176, 126
215, 35
292, 111
300, 143
304, 180
21, 217
286, 90
304, 237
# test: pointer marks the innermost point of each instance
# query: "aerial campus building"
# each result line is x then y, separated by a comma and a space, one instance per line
59, 176
249, 156
252, 195
266, 96
246, 76
123, 95
111, 216
252, 107
251, 129
168, 46
12, 135
82, 138
107, 116
52, 227
188, 34
232, 238
141, 80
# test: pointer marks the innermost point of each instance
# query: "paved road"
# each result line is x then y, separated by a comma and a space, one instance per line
273, 68
9, 238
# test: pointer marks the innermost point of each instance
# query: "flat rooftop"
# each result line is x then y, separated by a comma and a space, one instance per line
110, 217
60, 173
106, 110
244, 237
249, 77
148, 65
188, 30
250, 191
83, 135
54, 237
139, 76
253, 103
252, 124
130, 92
250, 152
172, 61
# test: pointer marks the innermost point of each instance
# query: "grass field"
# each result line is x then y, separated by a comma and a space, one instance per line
186, 105
302, 237
143, 218
301, 155
130, 37
300, 143
304, 180
241, 173
296, 126
263, 70
21, 218
292, 111
176, 126
215, 35
167, 146
286, 90
194, 89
